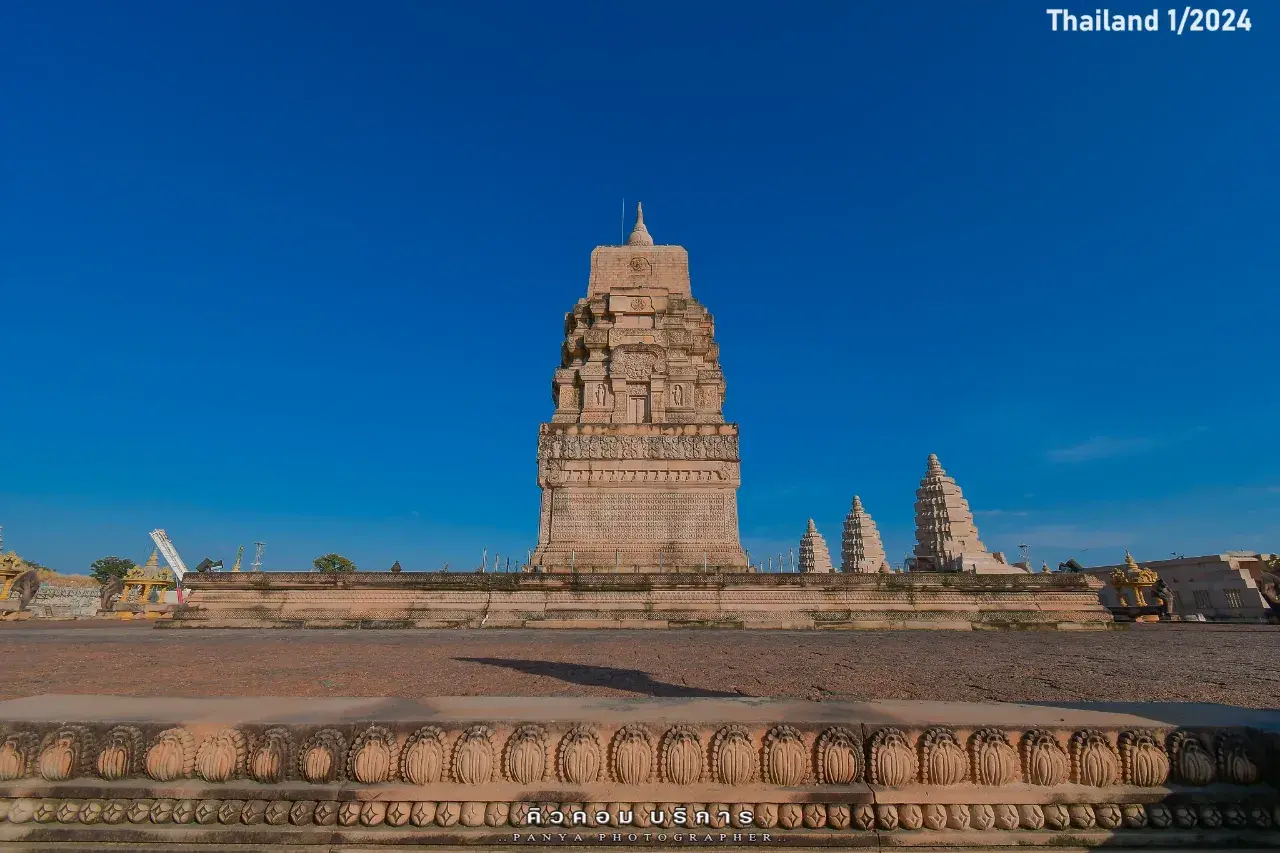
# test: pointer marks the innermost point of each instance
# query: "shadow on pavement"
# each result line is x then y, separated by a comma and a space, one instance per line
601, 676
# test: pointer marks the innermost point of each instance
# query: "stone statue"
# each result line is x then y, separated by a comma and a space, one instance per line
600, 394
24, 588
1164, 597
111, 591
1269, 586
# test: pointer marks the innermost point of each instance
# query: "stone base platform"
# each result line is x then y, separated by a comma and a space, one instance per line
728, 600
103, 773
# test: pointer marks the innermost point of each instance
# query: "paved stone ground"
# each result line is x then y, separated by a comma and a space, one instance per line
1233, 664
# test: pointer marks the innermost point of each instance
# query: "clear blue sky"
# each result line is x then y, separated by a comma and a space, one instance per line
296, 272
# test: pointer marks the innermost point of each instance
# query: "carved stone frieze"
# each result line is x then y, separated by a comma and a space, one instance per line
271, 756
121, 754
374, 756
171, 756
473, 758
579, 759
632, 759
666, 447
1044, 762
994, 760
422, 761
322, 757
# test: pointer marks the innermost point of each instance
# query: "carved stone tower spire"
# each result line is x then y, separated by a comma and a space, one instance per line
814, 556
639, 234
638, 469
946, 537
860, 547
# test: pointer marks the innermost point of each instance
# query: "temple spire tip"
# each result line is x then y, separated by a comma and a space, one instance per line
639, 234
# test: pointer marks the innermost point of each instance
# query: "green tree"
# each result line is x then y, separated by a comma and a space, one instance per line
333, 563
106, 568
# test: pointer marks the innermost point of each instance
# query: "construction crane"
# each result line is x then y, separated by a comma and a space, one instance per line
169, 553
259, 548
236, 566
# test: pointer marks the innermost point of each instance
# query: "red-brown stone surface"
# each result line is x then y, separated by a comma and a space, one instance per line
1234, 664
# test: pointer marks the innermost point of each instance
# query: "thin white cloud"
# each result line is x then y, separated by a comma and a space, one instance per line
1070, 536
999, 513
1101, 447
1109, 447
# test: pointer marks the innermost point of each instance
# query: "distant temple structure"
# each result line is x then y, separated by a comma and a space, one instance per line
946, 537
1229, 587
860, 547
815, 558
639, 471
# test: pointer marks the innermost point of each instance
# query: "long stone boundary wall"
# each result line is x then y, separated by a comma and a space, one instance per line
731, 600
100, 772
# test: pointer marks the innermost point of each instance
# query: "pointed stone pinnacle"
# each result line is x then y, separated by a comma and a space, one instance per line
153, 562
814, 556
946, 537
639, 234
860, 547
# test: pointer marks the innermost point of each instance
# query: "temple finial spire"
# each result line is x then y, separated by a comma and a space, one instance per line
639, 234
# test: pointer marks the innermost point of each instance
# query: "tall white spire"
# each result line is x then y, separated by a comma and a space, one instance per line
639, 234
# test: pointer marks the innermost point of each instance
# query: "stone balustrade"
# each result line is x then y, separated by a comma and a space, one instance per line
346, 774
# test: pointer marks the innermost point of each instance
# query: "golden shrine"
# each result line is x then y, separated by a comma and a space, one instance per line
11, 565
1135, 579
18, 585
143, 589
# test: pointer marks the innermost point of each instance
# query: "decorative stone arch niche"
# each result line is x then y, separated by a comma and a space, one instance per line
638, 373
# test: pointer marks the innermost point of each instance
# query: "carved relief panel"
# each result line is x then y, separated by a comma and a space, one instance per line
599, 398
568, 397
637, 362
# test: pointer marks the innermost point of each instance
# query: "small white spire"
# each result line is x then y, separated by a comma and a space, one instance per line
639, 234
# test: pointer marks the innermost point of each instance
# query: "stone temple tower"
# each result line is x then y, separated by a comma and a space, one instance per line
860, 547
946, 537
814, 556
638, 469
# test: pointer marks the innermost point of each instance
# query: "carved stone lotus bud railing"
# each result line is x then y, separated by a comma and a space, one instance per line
493, 772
